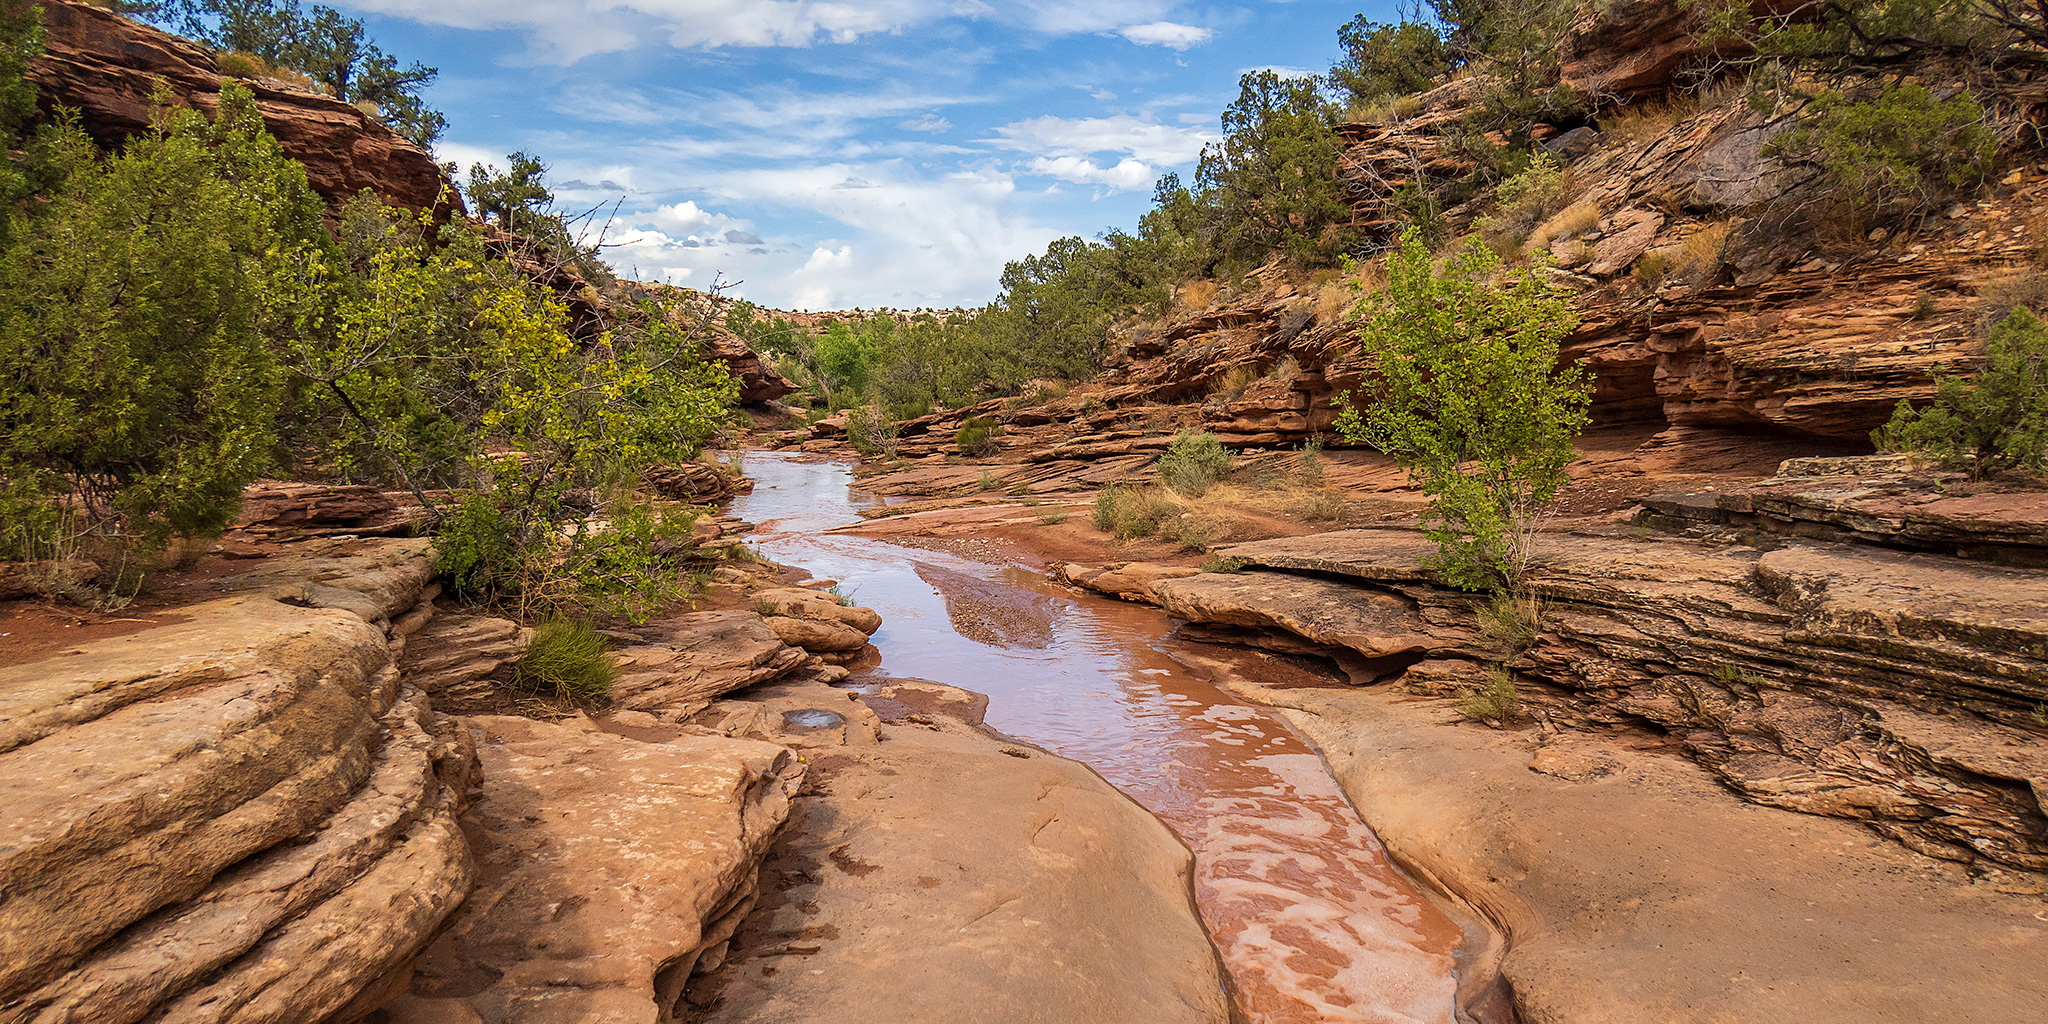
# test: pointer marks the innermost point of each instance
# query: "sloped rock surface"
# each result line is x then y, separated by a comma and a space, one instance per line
243, 816
682, 663
946, 875
608, 867
455, 659
1633, 889
1893, 688
1881, 500
107, 68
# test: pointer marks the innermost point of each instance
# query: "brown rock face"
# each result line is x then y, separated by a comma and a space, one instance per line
1890, 688
106, 67
608, 868
245, 816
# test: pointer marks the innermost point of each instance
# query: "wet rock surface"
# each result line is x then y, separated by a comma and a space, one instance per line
945, 874
1890, 688
1632, 888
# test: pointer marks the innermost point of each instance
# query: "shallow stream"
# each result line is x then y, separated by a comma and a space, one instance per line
1313, 921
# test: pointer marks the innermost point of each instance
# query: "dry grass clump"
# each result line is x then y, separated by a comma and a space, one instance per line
1642, 124
1235, 380
1568, 223
1693, 260
1997, 299
1195, 295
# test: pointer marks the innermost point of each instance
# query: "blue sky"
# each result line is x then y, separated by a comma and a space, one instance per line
855, 153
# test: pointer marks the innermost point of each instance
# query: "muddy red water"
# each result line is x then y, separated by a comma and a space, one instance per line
1313, 921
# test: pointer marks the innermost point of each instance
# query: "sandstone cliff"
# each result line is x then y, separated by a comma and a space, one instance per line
107, 68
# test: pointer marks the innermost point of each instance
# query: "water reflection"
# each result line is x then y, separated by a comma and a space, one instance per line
1313, 921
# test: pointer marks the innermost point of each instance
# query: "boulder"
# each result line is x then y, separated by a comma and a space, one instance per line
820, 636
456, 658
679, 664
609, 871
798, 603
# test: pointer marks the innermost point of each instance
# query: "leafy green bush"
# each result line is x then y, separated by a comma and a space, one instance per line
977, 438
136, 380
1467, 395
1193, 462
567, 660
1897, 153
1994, 421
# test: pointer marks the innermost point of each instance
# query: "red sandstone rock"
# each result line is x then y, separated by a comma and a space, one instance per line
106, 67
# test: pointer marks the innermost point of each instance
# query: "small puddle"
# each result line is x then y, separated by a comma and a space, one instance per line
1312, 919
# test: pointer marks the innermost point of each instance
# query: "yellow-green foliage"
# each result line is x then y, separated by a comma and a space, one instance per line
1192, 462
1132, 512
1495, 700
567, 660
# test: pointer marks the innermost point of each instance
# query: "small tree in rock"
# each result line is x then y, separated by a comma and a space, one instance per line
1466, 393
1994, 421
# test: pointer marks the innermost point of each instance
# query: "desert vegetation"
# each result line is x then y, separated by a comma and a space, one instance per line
176, 321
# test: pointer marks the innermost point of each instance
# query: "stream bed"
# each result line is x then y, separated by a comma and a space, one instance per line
1312, 920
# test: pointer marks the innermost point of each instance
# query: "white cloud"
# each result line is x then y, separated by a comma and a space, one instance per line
1167, 34
1128, 174
687, 218
904, 239
569, 30
1150, 141
928, 123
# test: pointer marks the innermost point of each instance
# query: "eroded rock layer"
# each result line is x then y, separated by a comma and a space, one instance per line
247, 815
1902, 690
108, 68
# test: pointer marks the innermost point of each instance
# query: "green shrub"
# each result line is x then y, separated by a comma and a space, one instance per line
977, 438
1513, 621
136, 379
870, 431
1308, 466
567, 660
1496, 700
989, 481
1132, 512
1896, 154
1193, 462
1225, 564
1467, 395
1994, 421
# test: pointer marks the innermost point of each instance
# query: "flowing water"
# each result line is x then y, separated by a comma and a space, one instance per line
1313, 921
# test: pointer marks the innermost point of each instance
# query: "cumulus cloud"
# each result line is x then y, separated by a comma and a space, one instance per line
1128, 174
1146, 140
1167, 34
688, 219
904, 238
